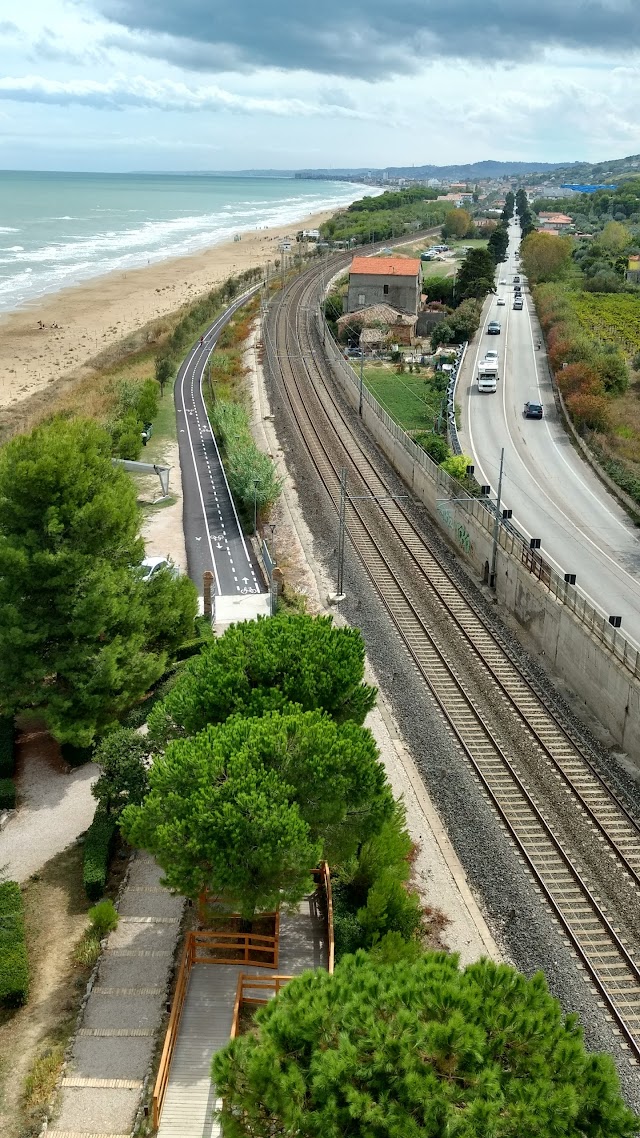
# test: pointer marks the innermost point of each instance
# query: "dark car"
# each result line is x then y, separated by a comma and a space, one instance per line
494, 328
532, 409
516, 280
517, 289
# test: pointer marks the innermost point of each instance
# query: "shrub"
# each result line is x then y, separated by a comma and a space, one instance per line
97, 850
370, 894
7, 747
76, 756
589, 411
456, 466
7, 794
435, 446
14, 964
104, 917
139, 713
579, 378
190, 648
635, 362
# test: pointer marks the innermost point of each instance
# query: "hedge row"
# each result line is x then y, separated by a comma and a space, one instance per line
97, 851
14, 964
7, 748
7, 794
139, 713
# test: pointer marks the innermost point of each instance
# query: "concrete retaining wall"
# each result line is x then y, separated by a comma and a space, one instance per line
591, 667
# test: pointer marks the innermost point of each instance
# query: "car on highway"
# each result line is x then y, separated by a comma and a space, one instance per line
494, 328
500, 301
517, 289
503, 281
518, 304
516, 279
533, 409
491, 354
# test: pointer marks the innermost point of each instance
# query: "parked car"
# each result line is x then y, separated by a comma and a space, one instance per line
494, 328
533, 409
151, 566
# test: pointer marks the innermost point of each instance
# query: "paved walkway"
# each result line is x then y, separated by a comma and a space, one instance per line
55, 806
114, 1047
206, 1022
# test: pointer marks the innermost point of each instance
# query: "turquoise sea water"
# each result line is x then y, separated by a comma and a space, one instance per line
59, 229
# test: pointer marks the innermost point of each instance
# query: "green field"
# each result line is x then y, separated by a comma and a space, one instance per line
407, 398
612, 317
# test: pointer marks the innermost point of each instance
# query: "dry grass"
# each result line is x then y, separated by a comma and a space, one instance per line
33, 1038
623, 441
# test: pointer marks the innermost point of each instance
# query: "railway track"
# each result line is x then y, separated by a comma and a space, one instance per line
298, 366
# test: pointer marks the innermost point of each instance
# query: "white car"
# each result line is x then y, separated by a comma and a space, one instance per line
501, 300
503, 281
152, 565
491, 354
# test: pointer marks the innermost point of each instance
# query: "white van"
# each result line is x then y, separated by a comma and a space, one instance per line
488, 375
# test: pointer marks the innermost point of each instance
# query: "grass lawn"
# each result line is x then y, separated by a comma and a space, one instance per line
438, 269
406, 398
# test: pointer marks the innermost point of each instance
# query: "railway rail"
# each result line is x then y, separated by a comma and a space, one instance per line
299, 367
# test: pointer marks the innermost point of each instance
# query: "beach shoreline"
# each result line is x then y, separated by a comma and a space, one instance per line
82, 322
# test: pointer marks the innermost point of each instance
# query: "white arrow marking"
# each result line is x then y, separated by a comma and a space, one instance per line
198, 539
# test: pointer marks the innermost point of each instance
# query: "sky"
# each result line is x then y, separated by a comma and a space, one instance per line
286, 84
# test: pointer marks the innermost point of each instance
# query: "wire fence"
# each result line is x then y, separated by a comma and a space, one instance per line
483, 510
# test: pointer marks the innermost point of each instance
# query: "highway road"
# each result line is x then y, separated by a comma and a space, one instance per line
554, 494
213, 534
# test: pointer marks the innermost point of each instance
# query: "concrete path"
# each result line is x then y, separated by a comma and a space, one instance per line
113, 1049
206, 1022
55, 806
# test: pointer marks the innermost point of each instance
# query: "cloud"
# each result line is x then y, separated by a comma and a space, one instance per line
123, 92
367, 38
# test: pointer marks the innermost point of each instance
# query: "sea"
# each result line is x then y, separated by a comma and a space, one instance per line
60, 229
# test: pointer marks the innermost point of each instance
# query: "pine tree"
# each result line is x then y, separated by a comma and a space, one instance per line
417, 1049
83, 635
264, 665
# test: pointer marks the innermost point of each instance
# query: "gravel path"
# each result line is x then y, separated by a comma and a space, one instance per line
54, 806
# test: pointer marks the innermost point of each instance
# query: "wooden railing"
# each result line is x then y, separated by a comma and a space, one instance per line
212, 947
173, 1028
323, 876
266, 986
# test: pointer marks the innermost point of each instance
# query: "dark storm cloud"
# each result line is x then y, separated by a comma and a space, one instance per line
368, 38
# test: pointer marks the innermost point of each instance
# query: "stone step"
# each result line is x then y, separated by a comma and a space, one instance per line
115, 1032
83, 1134
109, 1084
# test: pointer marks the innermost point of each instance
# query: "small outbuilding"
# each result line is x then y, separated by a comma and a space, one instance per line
395, 281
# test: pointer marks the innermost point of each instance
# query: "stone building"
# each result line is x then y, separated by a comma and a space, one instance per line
385, 280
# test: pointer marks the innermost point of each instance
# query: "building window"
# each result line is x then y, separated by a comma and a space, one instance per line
361, 298
386, 290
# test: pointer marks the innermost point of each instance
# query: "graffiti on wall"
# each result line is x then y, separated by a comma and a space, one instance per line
458, 530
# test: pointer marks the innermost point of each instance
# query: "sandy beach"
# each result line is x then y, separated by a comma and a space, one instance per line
93, 318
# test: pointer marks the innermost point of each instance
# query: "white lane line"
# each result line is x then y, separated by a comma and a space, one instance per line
195, 471
580, 533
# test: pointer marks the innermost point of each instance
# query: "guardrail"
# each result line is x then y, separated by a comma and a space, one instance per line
483, 511
173, 1028
323, 876
267, 986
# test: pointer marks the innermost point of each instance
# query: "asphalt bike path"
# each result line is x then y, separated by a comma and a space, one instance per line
213, 534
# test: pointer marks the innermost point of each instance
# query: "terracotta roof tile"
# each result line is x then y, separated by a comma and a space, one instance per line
386, 266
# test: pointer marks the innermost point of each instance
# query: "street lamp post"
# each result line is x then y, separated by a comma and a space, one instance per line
496, 527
